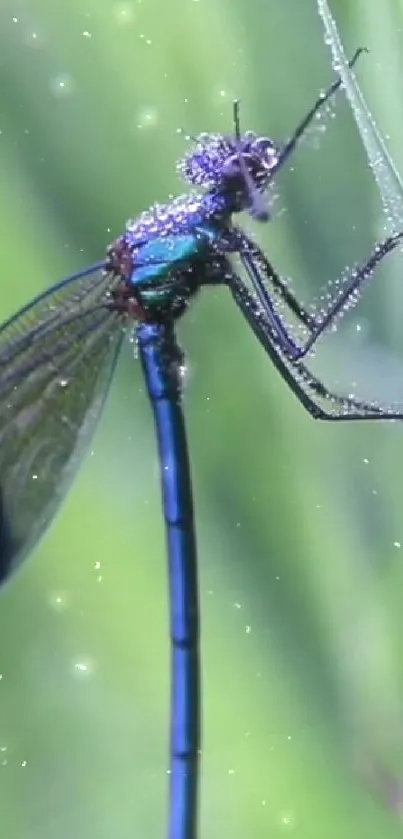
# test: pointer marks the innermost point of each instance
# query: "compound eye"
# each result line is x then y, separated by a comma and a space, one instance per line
248, 140
266, 151
230, 168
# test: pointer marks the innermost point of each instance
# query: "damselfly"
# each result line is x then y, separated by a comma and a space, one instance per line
58, 354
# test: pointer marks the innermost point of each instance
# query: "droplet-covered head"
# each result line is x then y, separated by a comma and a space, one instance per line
240, 166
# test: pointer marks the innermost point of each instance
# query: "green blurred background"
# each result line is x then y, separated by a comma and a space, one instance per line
299, 524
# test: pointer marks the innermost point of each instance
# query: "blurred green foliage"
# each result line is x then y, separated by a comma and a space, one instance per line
299, 524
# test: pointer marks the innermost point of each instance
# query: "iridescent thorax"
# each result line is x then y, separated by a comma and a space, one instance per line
170, 250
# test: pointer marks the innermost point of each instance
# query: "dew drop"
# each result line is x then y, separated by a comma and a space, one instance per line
222, 94
124, 13
58, 601
287, 820
146, 118
61, 85
83, 668
33, 38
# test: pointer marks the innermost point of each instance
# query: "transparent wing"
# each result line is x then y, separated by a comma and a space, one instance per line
57, 357
70, 296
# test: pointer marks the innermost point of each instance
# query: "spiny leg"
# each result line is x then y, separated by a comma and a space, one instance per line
299, 379
351, 287
245, 246
278, 282
260, 272
290, 145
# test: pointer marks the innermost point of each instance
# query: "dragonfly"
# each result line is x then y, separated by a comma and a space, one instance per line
58, 356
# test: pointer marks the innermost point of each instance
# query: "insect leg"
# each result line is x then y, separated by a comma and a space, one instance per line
308, 389
288, 148
262, 275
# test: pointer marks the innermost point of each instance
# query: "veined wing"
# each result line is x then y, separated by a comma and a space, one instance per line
72, 294
57, 356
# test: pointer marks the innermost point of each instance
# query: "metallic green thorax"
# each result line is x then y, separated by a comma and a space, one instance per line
169, 269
